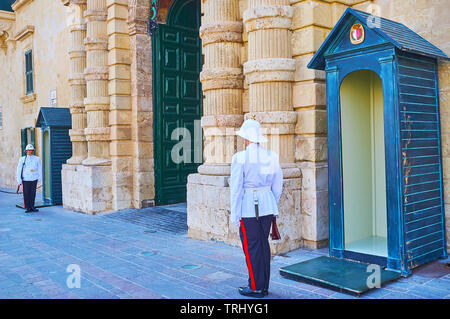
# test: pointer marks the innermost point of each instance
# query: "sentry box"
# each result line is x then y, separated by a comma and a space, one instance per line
55, 123
384, 152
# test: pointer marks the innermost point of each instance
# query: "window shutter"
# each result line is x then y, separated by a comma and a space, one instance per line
23, 134
29, 71
32, 130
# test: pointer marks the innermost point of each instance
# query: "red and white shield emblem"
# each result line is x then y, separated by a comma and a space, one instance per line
357, 33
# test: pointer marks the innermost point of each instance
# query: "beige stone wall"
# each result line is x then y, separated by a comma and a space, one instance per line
40, 25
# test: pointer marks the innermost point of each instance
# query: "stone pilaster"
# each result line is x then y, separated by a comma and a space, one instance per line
141, 104
312, 22
121, 148
96, 75
77, 56
269, 73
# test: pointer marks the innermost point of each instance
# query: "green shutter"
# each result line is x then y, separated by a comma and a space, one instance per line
29, 71
32, 130
23, 135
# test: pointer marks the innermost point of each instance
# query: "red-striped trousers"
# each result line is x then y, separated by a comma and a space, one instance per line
255, 243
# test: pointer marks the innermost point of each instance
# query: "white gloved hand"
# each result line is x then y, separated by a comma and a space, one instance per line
236, 223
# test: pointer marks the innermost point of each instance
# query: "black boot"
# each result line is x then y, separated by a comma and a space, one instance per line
249, 292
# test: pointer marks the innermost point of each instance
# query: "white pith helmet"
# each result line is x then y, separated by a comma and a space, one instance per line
251, 130
29, 147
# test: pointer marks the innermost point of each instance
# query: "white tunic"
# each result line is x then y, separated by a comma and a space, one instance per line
32, 169
254, 167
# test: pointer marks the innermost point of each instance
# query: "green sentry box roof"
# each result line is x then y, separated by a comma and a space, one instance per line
337, 274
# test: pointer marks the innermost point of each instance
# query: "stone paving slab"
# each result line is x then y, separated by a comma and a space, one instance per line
147, 254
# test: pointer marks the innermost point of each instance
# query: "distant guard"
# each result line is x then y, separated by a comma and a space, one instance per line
255, 188
29, 173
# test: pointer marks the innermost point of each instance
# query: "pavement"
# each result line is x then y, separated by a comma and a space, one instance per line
57, 253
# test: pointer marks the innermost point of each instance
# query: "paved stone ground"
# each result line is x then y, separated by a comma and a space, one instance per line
147, 254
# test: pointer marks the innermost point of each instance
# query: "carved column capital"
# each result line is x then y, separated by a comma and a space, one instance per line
138, 14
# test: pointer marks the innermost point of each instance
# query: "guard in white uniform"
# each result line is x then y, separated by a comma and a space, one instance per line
29, 173
255, 188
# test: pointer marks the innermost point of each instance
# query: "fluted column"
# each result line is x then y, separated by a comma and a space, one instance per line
96, 75
269, 73
77, 83
222, 83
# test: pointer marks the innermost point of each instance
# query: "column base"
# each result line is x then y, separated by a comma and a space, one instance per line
86, 189
208, 212
75, 160
96, 161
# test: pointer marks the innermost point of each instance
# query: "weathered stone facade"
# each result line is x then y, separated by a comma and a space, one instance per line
29, 27
255, 57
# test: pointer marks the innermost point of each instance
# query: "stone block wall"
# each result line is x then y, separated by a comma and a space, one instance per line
209, 212
88, 189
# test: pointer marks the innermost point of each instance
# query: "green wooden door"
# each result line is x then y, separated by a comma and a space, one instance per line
177, 112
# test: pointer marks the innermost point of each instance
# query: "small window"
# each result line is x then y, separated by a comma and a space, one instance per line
29, 71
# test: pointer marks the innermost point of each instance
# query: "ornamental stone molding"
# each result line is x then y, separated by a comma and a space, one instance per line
227, 120
6, 25
138, 14
18, 4
268, 17
269, 70
25, 32
222, 31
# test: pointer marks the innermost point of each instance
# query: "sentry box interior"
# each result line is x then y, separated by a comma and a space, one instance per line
384, 152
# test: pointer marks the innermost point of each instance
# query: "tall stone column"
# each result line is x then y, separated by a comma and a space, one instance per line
222, 85
96, 75
269, 72
77, 83
87, 187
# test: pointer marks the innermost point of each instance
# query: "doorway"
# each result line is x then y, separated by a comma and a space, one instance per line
363, 164
177, 62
